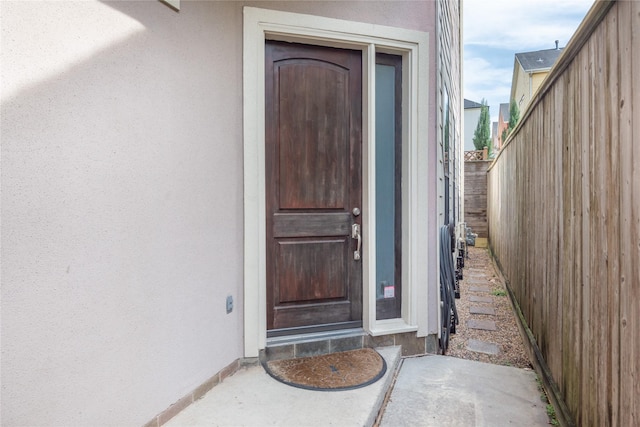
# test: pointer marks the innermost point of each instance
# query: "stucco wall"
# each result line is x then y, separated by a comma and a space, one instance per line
521, 87
536, 81
121, 207
122, 203
525, 86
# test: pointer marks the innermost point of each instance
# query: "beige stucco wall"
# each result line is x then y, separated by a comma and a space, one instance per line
536, 81
525, 85
521, 87
121, 207
122, 201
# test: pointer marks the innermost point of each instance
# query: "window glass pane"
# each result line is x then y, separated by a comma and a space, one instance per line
385, 179
388, 184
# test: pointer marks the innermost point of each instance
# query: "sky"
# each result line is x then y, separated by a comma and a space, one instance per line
495, 30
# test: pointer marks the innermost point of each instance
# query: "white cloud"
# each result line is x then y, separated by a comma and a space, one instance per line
483, 80
522, 25
484, 73
494, 30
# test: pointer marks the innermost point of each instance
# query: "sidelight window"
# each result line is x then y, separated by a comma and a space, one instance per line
388, 185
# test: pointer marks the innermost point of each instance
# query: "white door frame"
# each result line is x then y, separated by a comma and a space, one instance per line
419, 194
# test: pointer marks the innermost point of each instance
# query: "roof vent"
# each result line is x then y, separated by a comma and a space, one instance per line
557, 45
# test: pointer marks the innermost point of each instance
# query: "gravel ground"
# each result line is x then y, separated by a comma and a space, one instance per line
479, 271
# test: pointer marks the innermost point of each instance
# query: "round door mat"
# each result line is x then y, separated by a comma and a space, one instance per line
330, 372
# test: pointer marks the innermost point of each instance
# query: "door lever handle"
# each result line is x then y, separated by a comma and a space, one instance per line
355, 234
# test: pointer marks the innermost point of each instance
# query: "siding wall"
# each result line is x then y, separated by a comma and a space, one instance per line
564, 220
449, 84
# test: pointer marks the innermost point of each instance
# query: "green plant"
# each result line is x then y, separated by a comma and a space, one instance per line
514, 115
499, 292
543, 395
551, 413
482, 134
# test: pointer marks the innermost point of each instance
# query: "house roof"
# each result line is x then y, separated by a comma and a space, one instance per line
538, 60
471, 104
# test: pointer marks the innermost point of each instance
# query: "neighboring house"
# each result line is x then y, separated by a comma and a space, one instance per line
495, 142
158, 164
471, 116
503, 122
529, 70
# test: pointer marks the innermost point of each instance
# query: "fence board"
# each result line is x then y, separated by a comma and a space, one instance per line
625, 243
564, 220
475, 196
611, 107
634, 153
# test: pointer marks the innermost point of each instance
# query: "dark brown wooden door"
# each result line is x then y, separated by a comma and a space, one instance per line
313, 183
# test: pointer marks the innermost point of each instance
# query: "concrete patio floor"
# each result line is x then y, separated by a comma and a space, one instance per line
426, 391
447, 391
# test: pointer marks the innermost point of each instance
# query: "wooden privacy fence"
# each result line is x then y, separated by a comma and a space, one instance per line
470, 156
475, 196
564, 220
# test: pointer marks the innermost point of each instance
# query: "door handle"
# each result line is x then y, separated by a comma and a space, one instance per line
355, 234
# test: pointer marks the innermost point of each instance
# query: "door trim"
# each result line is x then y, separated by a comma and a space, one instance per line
420, 262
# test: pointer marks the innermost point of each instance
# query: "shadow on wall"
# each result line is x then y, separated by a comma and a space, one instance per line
115, 244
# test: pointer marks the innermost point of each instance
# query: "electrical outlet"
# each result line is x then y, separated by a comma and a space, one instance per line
229, 304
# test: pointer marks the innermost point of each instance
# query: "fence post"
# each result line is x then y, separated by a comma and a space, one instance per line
485, 153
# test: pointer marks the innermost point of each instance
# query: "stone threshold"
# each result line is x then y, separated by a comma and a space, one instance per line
306, 345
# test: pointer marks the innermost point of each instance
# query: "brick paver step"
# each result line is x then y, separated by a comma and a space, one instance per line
476, 298
475, 282
483, 347
485, 325
482, 310
475, 278
479, 289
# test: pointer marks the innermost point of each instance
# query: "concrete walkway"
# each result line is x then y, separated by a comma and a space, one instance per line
251, 397
428, 391
447, 391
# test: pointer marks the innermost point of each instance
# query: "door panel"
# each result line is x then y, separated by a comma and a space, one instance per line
319, 265
313, 103
313, 181
311, 224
